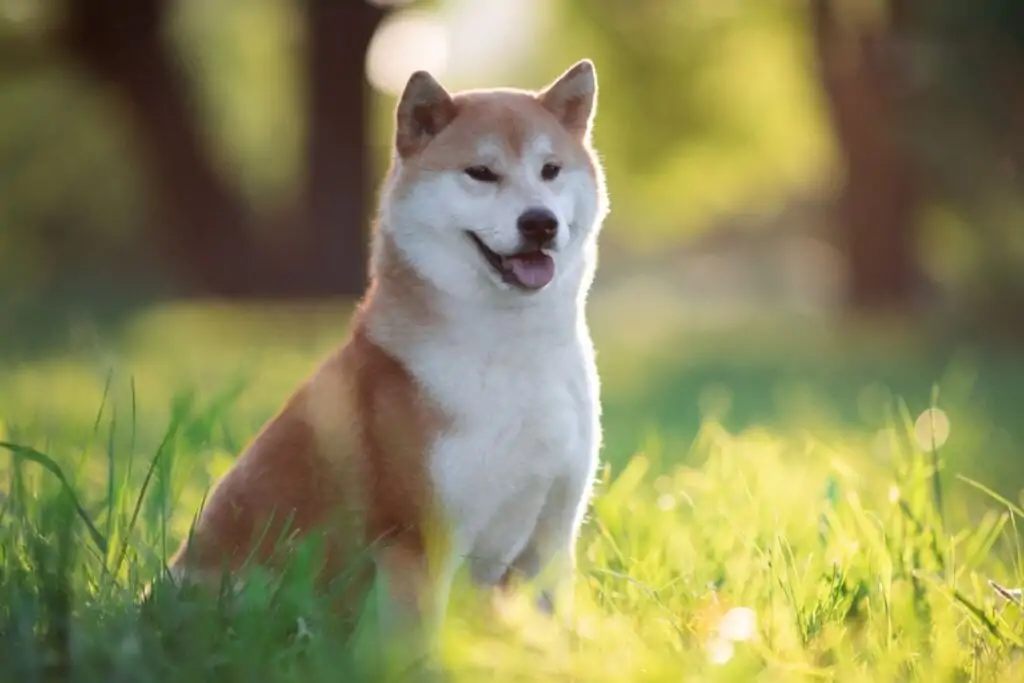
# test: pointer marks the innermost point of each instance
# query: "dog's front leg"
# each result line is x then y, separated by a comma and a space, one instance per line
548, 560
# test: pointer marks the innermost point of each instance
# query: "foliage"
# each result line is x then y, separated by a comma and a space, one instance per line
964, 66
757, 552
864, 588
705, 107
71, 174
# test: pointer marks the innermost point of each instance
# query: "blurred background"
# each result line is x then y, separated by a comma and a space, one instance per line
817, 220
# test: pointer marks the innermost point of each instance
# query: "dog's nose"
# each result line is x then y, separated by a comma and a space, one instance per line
538, 226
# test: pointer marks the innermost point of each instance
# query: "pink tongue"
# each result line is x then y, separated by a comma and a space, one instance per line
531, 271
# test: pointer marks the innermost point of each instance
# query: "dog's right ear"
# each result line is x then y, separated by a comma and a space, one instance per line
424, 110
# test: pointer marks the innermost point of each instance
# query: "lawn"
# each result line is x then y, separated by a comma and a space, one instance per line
767, 511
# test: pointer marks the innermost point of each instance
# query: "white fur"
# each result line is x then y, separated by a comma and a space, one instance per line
514, 370
430, 221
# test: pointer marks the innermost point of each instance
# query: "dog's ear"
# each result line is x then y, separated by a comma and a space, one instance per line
423, 111
573, 97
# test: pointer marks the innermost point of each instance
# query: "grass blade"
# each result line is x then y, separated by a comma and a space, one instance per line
50, 465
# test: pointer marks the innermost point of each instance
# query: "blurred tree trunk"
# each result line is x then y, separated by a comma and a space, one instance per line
203, 226
880, 200
337, 188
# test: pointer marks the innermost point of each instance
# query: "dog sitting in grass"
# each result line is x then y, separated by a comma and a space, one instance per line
458, 426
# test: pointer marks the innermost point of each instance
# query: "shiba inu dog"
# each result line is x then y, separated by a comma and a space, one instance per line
464, 404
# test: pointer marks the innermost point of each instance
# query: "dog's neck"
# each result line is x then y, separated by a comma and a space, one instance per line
403, 307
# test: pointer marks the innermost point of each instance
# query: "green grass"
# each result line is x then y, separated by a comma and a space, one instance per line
737, 483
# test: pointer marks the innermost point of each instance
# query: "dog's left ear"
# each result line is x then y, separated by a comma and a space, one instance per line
573, 97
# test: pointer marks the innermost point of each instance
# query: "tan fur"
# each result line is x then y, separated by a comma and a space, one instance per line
348, 454
345, 456
482, 113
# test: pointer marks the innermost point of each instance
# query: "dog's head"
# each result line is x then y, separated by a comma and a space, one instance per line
496, 190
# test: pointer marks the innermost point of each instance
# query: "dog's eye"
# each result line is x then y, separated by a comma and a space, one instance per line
482, 174
550, 171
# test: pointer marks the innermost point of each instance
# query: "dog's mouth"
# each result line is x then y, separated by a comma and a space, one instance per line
531, 269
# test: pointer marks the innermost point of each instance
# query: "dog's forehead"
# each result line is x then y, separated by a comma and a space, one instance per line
499, 127
504, 144
507, 123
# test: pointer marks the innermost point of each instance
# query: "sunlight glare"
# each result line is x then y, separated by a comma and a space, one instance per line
406, 42
720, 650
738, 625
462, 41
894, 494
487, 39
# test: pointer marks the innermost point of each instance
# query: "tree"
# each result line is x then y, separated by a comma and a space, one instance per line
924, 100
202, 226
927, 103
880, 200
668, 50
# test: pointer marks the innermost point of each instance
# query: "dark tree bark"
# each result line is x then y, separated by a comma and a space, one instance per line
880, 200
337, 188
203, 227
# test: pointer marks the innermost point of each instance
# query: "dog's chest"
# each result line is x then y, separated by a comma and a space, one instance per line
522, 413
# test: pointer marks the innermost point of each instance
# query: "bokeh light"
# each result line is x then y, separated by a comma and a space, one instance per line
406, 41
739, 625
931, 429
